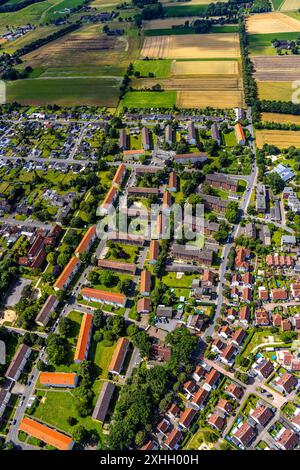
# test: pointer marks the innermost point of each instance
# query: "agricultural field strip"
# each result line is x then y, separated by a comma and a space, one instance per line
290, 5
281, 139
273, 22
277, 68
192, 46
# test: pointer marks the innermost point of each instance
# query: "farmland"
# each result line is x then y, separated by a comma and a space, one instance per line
160, 68
273, 22
280, 118
261, 44
278, 91
198, 99
136, 99
290, 5
218, 67
282, 139
276, 69
67, 92
186, 10
190, 46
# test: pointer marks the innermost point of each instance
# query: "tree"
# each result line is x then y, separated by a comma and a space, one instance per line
79, 434
231, 212
71, 420
125, 286
275, 182
98, 318
140, 438
98, 336
183, 344
65, 326
116, 325
56, 349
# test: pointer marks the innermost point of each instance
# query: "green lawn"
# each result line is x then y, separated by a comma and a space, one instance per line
149, 99
277, 4
261, 44
230, 139
185, 10
101, 355
130, 250
55, 408
186, 280
102, 91
160, 68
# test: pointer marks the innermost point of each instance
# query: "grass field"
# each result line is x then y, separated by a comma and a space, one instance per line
281, 139
214, 99
144, 99
65, 92
160, 68
280, 118
277, 91
189, 46
277, 4
260, 44
185, 10
273, 22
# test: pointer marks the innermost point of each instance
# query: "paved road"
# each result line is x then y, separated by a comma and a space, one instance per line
25, 223
252, 179
19, 413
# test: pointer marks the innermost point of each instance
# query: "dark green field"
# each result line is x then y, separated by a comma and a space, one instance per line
65, 92
188, 10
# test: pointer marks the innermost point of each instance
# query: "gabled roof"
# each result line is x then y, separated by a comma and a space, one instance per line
83, 337
65, 275
86, 240
62, 379
46, 434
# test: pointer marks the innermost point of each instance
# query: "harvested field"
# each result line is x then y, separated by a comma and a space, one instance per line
195, 84
191, 2
290, 5
192, 46
277, 91
280, 118
282, 139
199, 99
276, 68
217, 67
273, 22
168, 22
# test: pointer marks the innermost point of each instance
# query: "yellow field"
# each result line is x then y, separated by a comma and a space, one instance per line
290, 5
216, 99
276, 91
281, 118
219, 67
281, 139
192, 46
273, 22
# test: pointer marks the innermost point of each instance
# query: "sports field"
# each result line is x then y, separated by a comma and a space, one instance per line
276, 91
277, 69
280, 118
281, 139
273, 22
202, 99
192, 46
65, 92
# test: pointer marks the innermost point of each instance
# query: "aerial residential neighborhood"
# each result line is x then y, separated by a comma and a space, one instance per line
149, 226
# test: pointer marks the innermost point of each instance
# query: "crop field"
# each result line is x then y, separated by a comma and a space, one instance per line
66, 92
209, 67
185, 10
276, 69
190, 2
196, 84
290, 5
280, 118
192, 46
273, 22
151, 99
31, 14
277, 4
261, 44
281, 139
84, 47
277, 91
201, 99
167, 22
160, 68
